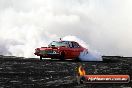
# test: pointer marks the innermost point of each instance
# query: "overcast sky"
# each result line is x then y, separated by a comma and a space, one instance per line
105, 25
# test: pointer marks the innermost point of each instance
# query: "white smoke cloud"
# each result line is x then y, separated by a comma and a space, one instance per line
27, 24
90, 56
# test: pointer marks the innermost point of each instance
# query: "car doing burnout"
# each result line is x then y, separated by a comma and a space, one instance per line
60, 49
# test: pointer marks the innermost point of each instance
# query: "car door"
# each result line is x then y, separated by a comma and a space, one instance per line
73, 50
76, 49
69, 51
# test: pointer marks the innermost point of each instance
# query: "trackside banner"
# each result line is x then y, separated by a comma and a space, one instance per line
106, 78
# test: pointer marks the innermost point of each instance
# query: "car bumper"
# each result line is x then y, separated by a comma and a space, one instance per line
48, 55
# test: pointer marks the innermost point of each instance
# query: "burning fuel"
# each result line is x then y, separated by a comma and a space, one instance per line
81, 71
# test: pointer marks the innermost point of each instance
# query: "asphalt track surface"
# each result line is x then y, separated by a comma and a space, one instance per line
19, 72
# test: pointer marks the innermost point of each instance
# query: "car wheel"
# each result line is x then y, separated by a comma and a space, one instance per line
62, 56
40, 57
77, 59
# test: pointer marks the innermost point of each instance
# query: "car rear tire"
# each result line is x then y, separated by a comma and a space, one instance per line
62, 56
40, 57
77, 59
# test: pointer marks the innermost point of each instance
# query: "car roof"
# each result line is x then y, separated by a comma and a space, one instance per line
63, 41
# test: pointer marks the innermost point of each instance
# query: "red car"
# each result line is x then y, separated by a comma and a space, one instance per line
60, 49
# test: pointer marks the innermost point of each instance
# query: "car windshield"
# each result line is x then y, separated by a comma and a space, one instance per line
58, 43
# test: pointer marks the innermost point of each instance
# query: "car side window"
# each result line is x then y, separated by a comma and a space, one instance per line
70, 45
67, 44
75, 45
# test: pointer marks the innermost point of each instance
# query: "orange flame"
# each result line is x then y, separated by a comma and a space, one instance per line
81, 71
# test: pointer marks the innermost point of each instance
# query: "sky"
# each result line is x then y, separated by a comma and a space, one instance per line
105, 25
